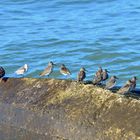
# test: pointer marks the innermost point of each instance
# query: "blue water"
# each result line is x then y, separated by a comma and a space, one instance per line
78, 33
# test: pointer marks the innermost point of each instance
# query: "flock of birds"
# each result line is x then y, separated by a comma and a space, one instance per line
100, 76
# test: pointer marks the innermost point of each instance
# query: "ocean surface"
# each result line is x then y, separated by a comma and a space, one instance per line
78, 33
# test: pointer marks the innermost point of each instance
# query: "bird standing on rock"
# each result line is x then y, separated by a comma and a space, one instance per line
126, 88
2, 73
133, 81
48, 70
81, 75
63, 70
111, 83
98, 76
22, 70
105, 75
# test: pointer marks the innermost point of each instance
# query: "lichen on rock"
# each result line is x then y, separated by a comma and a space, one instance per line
66, 109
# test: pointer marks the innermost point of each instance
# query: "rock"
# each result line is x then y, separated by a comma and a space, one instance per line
65, 110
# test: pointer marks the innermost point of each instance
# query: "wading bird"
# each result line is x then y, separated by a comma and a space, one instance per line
111, 83
22, 70
63, 70
98, 76
48, 70
133, 81
81, 75
126, 88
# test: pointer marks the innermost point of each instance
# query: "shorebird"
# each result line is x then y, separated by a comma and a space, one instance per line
111, 83
126, 88
81, 75
105, 75
2, 73
63, 70
48, 70
98, 76
22, 70
133, 81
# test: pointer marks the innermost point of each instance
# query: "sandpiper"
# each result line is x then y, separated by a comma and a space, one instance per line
133, 81
81, 75
126, 88
48, 70
63, 70
98, 76
22, 70
111, 83
2, 73
105, 74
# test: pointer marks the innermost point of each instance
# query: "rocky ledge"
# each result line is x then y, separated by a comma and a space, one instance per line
50, 109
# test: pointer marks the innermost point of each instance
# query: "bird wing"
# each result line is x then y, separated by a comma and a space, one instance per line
81, 76
65, 70
21, 70
110, 84
97, 74
105, 75
133, 86
125, 89
47, 71
98, 78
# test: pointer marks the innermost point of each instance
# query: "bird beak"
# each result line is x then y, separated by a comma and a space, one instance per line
54, 64
117, 78
108, 71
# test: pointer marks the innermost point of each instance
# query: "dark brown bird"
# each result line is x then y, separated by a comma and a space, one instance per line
81, 75
65, 71
133, 81
2, 72
98, 76
126, 88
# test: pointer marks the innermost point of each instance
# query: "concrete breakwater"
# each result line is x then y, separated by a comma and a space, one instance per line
50, 109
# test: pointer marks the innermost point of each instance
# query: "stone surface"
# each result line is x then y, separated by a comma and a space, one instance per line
65, 110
